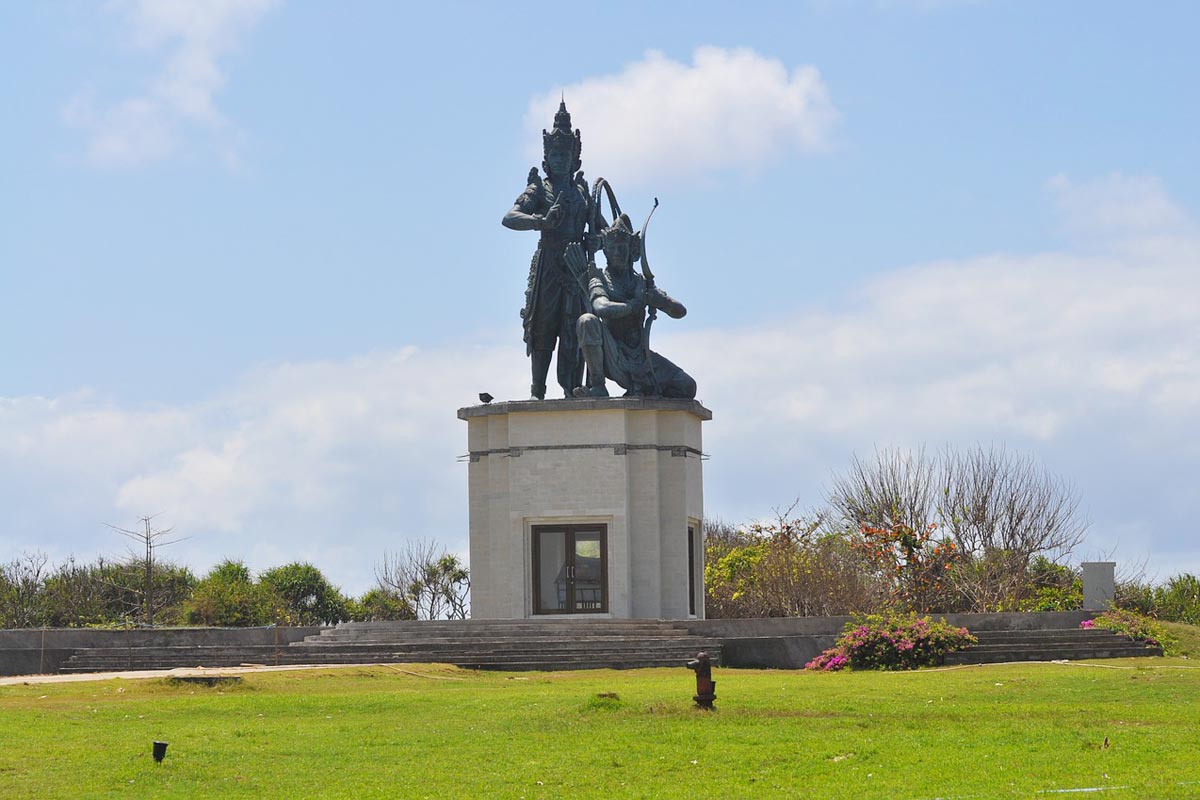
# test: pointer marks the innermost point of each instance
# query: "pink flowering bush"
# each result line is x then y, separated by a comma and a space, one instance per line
892, 641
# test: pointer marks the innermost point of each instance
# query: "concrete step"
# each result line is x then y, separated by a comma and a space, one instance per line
1050, 645
1071, 644
546, 645
611, 641
514, 660
1055, 634
518, 666
412, 631
507, 624
199, 653
973, 656
576, 619
100, 665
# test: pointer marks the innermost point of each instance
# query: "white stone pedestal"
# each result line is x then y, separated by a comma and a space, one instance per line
1099, 584
586, 508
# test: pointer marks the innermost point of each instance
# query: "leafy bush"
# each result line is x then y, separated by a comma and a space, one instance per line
308, 598
1055, 598
77, 595
1055, 587
1134, 595
892, 641
379, 605
1133, 626
228, 597
1179, 600
787, 568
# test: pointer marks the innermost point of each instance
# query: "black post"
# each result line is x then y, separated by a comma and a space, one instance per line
706, 687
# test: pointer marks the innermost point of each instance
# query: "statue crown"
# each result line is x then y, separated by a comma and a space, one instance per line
562, 118
561, 134
621, 230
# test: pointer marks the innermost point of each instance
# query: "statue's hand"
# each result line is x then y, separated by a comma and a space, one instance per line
553, 217
640, 294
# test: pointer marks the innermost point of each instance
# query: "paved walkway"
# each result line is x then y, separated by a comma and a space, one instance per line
178, 672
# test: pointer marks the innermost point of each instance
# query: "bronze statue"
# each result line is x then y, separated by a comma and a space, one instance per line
558, 206
614, 333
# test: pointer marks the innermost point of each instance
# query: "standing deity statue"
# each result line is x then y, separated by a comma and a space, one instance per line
558, 206
614, 332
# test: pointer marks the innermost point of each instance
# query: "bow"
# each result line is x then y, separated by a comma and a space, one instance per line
651, 311
595, 223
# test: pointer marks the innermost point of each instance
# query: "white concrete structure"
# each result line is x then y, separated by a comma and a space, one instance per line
1099, 584
586, 508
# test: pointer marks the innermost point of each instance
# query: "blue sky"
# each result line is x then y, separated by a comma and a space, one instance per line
251, 259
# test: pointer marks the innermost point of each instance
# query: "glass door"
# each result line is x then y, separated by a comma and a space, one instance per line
570, 569
693, 568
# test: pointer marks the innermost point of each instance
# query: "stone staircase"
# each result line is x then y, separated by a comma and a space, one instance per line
474, 644
1072, 644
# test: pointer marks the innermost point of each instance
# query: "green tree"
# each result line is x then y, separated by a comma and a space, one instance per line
307, 597
1179, 599
1056, 587
787, 567
379, 605
229, 597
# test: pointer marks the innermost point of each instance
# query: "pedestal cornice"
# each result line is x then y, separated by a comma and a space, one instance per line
692, 407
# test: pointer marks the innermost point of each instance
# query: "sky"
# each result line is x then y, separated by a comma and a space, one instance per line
251, 259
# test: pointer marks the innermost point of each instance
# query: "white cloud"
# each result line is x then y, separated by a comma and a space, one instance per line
1116, 206
728, 109
192, 36
1091, 361
1027, 346
332, 462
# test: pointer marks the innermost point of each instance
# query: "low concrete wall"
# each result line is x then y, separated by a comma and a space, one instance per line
790, 642
42, 651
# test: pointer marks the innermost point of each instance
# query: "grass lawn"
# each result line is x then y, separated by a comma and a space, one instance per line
435, 731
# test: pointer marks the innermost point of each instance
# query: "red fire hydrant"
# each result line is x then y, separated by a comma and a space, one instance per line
705, 686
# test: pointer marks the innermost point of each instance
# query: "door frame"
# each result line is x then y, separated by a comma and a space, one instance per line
570, 530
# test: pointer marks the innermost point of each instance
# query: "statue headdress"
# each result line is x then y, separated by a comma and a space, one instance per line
562, 136
621, 230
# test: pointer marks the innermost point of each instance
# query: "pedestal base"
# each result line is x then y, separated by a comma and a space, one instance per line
587, 507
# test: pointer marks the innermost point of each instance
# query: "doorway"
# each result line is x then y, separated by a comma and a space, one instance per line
570, 569
693, 567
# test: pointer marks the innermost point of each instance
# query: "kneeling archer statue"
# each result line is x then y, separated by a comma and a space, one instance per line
614, 332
